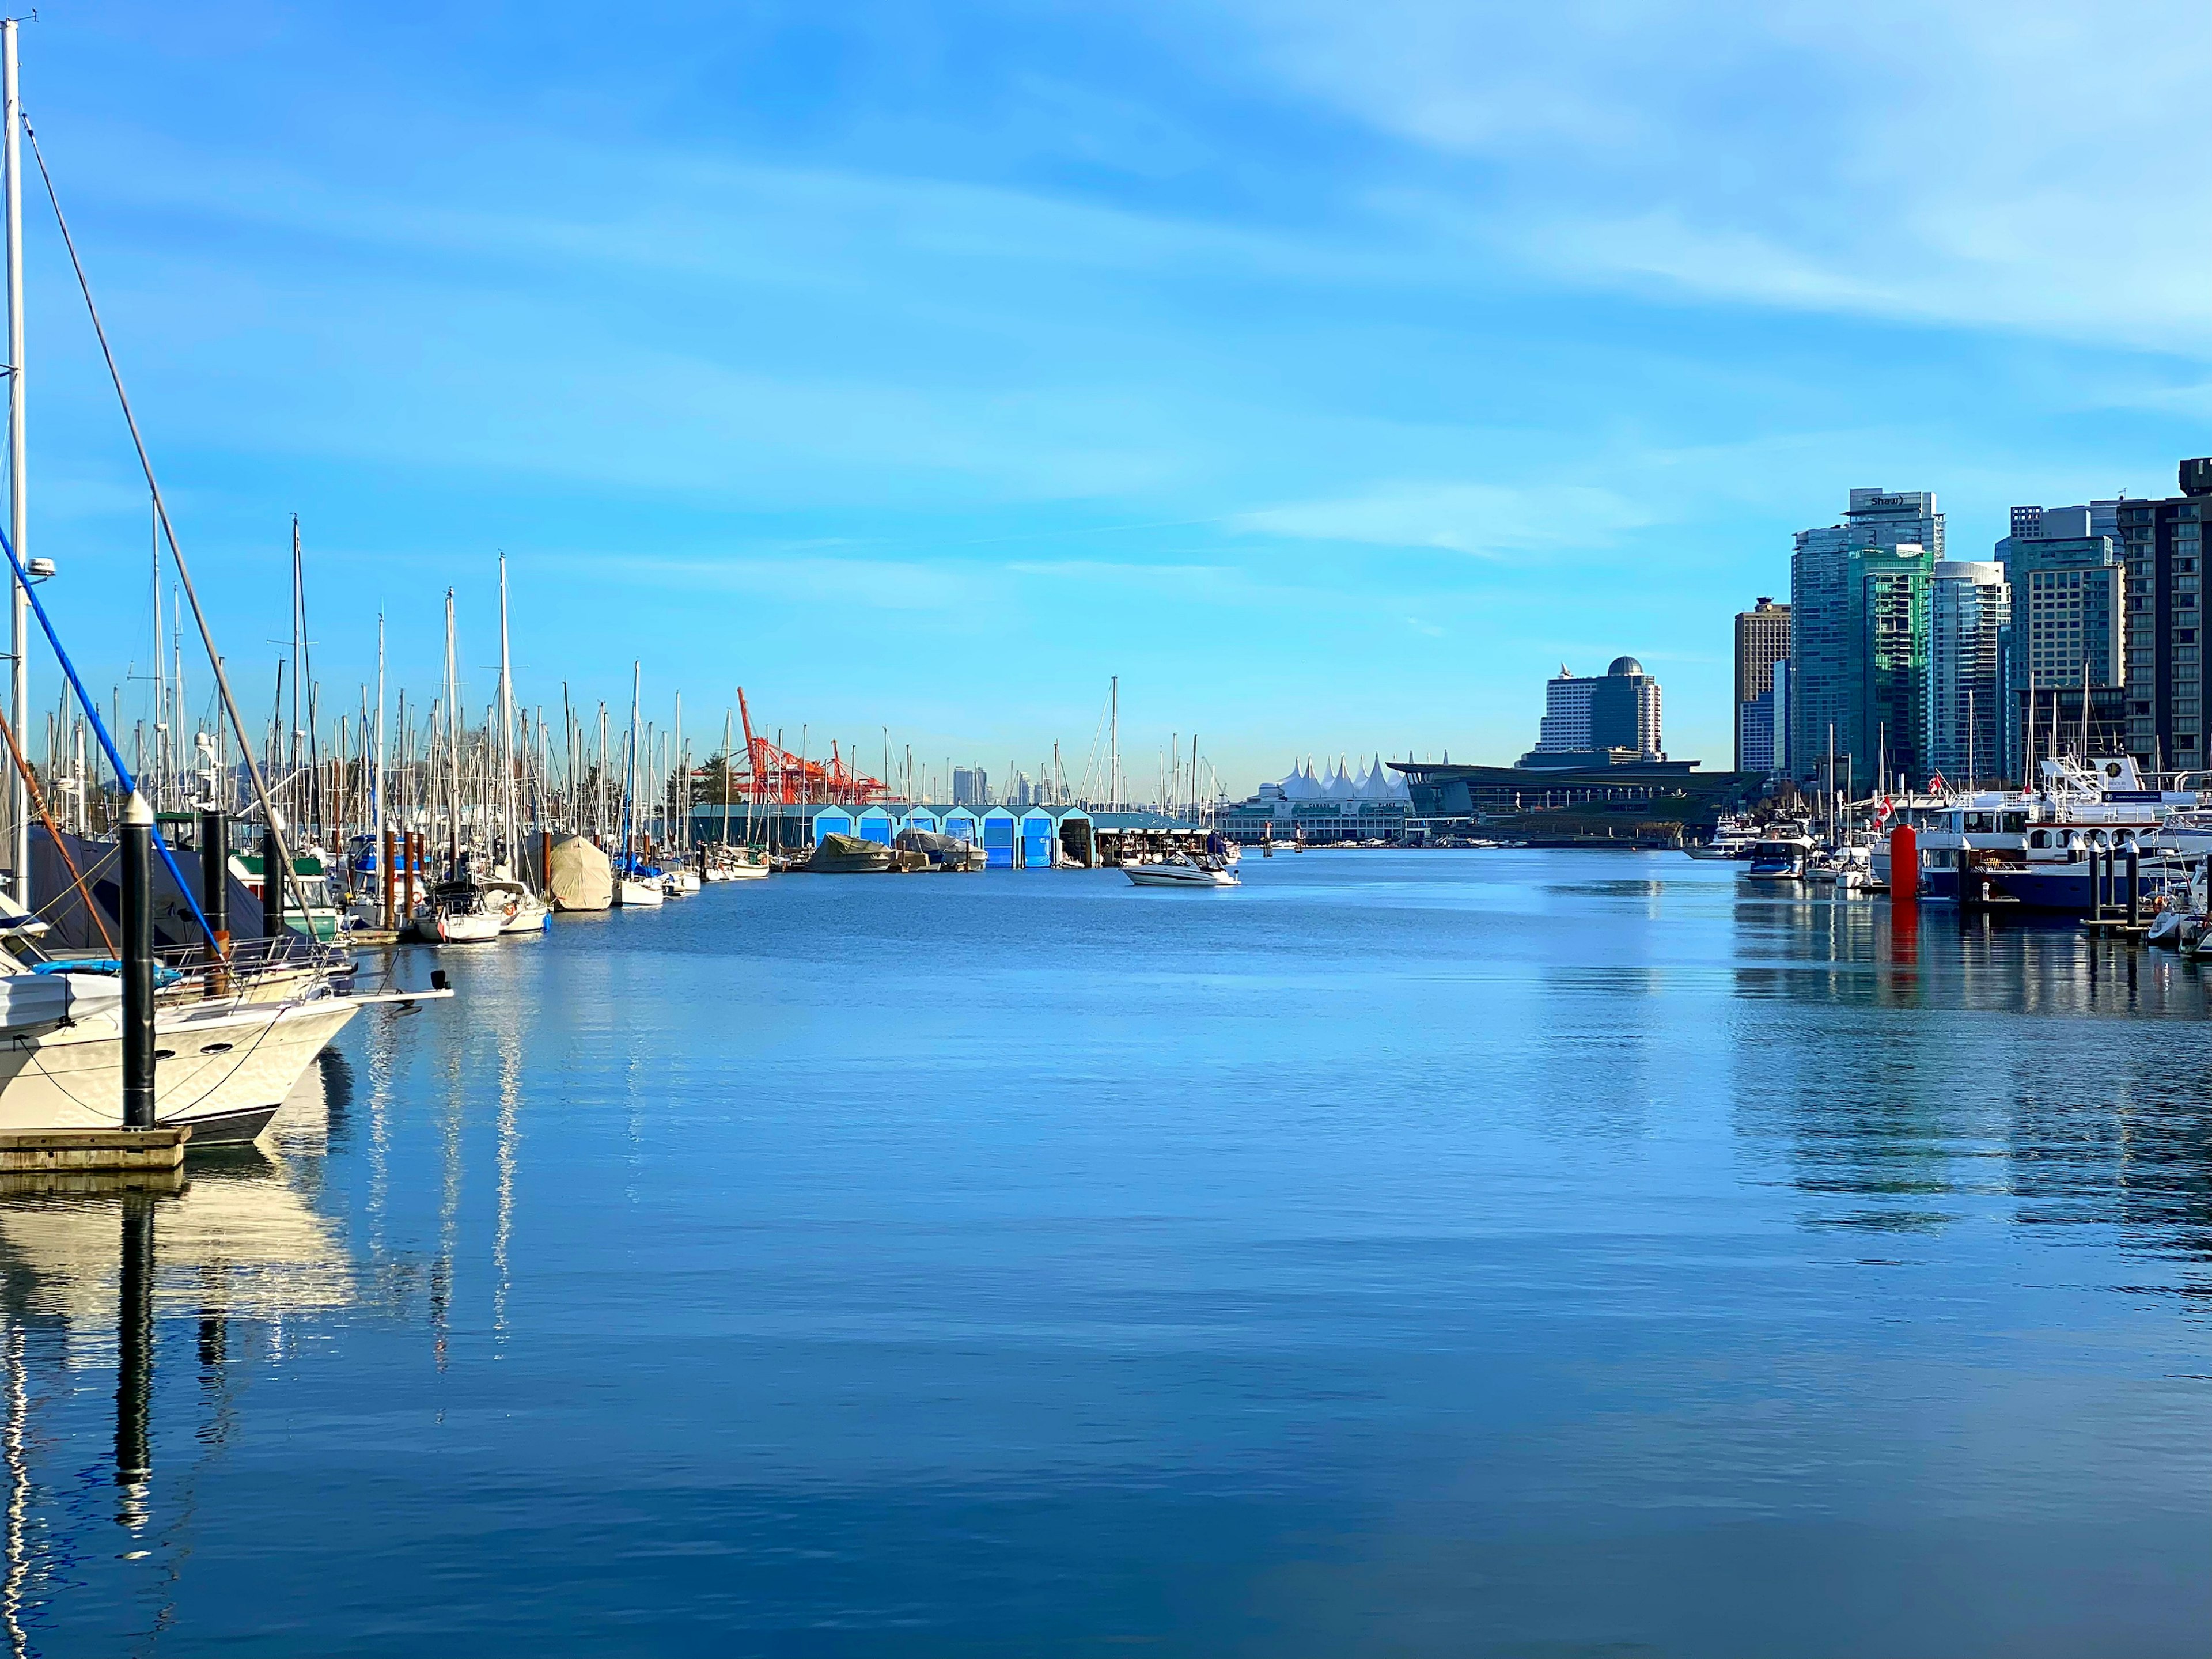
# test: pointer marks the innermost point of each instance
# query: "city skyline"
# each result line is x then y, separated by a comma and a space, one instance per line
1178, 345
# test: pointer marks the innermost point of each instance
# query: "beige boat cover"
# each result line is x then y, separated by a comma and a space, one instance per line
578, 876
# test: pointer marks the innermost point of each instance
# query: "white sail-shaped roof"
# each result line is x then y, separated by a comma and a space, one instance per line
1381, 784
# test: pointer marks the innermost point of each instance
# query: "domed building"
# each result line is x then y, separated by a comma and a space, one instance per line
1610, 719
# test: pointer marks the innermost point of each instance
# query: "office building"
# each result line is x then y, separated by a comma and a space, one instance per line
1883, 733
1762, 640
1969, 605
2067, 628
2167, 687
1609, 719
972, 787
1825, 639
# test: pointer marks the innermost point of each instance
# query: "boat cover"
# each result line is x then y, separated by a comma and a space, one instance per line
29, 1000
579, 876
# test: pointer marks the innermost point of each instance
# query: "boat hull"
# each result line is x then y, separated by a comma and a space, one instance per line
1164, 875
225, 1073
631, 894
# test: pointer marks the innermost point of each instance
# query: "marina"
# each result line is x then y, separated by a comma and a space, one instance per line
610, 1318
735, 916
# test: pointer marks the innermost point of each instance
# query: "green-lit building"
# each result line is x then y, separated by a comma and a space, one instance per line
1886, 672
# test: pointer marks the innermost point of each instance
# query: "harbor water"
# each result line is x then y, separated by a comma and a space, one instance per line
1449, 1253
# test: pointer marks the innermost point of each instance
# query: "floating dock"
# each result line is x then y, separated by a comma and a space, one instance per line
87, 1152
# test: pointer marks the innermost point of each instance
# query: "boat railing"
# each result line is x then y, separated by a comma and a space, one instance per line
248, 962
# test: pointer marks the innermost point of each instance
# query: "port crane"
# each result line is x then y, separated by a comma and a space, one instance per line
778, 777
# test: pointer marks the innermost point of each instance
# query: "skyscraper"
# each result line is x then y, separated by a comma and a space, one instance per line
1762, 639
2168, 683
1968, 606
1824, 639
1601, 721
2068, 581
1885, 723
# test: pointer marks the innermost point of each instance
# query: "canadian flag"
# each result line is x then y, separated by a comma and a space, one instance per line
1883, 816
1936, 781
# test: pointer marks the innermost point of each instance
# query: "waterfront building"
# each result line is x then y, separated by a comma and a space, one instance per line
1826, 635
1762, 640
1885, 723
1969, 606
2168, 687
1615, 716
2068, 621
1368, 805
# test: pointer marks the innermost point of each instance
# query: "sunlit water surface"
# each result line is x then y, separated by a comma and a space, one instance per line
1486, 1253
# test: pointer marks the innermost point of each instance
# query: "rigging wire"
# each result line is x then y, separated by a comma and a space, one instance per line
269, 815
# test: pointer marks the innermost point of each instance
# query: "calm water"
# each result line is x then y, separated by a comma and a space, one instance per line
1491, 1253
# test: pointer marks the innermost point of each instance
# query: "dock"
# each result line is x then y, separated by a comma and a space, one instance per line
89, 1152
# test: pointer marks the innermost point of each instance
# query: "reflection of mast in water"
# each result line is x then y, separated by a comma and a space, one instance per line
19, 1494
449, 1211
134, 1362
383, 1044
510, 1097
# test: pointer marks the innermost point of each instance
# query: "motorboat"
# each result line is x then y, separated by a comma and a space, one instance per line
1781, 854
1182, 870
222, 1064
679, 882
1732, 839
841, 854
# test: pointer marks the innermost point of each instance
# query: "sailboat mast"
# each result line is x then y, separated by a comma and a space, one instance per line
629, 779
18, 614
506, 729
377, 852
453, 749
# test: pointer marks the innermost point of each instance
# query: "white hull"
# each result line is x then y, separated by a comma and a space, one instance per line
531, 916
1178, 875
473, 928
224, 1072
629, 893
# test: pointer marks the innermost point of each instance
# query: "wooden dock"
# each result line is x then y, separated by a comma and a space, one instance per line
51, 1152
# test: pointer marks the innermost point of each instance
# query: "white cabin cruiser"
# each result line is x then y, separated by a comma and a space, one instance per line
1181, 870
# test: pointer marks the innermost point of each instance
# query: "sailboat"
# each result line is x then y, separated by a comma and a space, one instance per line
523, 910
636, 887
457, 910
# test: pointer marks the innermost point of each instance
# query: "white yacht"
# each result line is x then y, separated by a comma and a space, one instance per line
1781, 852
1181, 870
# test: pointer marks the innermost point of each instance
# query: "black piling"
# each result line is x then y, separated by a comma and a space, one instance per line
137, 851
272, 880
215, 895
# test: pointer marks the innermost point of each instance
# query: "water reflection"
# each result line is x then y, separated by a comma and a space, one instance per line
94, 1266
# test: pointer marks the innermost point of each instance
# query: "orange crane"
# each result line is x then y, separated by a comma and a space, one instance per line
780, 777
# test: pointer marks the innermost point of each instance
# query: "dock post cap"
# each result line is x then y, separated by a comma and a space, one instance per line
135, 812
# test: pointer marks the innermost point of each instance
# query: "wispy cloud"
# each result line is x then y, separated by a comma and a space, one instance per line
1488, 520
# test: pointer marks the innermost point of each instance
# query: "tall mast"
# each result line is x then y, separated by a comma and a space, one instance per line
377, 851
629, 779
506, 731
19, 615
453, 749
1114, 742
726, 777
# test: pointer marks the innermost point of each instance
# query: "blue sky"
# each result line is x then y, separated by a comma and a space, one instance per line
1331, 372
